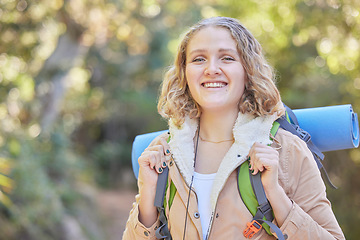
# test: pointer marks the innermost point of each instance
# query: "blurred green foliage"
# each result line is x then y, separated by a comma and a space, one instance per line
79, 80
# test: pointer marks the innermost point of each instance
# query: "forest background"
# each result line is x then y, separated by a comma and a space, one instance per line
79, 80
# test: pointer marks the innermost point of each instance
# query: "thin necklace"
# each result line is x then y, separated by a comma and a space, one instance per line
205, 140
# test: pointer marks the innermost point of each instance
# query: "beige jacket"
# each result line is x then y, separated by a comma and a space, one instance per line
311, 216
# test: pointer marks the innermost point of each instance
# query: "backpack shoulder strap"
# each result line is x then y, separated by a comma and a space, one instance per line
162, 232
247, 192
160, 203
253, 195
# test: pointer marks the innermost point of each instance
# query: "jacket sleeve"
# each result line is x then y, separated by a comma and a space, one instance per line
311, 216
135, 229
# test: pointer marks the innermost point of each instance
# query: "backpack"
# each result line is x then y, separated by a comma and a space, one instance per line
251, 190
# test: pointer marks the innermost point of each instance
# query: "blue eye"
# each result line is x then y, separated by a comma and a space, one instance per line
228, 59
198, 60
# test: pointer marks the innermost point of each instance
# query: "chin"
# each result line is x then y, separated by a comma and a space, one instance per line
220, 108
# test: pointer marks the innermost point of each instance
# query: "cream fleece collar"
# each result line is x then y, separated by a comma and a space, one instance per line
247, 130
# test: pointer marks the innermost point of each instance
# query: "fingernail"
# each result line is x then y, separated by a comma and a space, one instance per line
160, 170
252, 171
249, 158
167, 151
164, 164
249, 165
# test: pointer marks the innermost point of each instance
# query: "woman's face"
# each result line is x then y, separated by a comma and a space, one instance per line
214, 73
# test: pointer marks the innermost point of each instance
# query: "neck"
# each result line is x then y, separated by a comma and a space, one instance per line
217, 126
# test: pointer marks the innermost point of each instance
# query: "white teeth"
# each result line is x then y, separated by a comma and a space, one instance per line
214, 85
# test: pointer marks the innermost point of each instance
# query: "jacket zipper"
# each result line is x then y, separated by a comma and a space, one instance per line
210, 225
213, 212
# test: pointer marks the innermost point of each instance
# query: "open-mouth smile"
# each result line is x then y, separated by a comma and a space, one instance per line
214, 84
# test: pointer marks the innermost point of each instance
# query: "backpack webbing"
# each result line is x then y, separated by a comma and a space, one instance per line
247, 194
162, 232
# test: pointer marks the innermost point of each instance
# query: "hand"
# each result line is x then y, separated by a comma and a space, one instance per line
265, 159
153, 160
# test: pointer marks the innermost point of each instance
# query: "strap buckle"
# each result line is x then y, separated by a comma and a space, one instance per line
159, 232
252, 228
264, 208
304, 135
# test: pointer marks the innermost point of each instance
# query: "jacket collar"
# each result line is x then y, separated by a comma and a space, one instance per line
247, 130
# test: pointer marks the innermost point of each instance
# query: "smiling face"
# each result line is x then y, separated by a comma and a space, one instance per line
214, 73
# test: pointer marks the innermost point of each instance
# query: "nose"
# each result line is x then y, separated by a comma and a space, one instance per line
212, 68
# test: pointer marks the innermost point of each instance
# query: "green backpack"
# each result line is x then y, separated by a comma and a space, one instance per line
250, 187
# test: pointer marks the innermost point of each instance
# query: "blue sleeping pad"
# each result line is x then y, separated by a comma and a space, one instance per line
331, 128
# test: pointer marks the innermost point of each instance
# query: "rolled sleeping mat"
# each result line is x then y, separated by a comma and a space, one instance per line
331, 128
140, 143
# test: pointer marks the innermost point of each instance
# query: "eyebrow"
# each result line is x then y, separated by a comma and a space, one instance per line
220, 50
228, 50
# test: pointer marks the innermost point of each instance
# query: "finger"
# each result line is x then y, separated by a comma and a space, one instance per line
164, 153
265, 163
150, 159
165, 160
146, 160
163, 148
166, 146
255, 164
253, 158
157, 140
256, 167
157, 158
268, 163
252, 165
253, 150
164, 164
266, 155
257, 147
158, 148
159, 163
161, 159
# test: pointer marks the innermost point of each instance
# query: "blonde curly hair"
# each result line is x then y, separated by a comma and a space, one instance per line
260, 97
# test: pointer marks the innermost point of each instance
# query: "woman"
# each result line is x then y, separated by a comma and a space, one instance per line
221, 102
